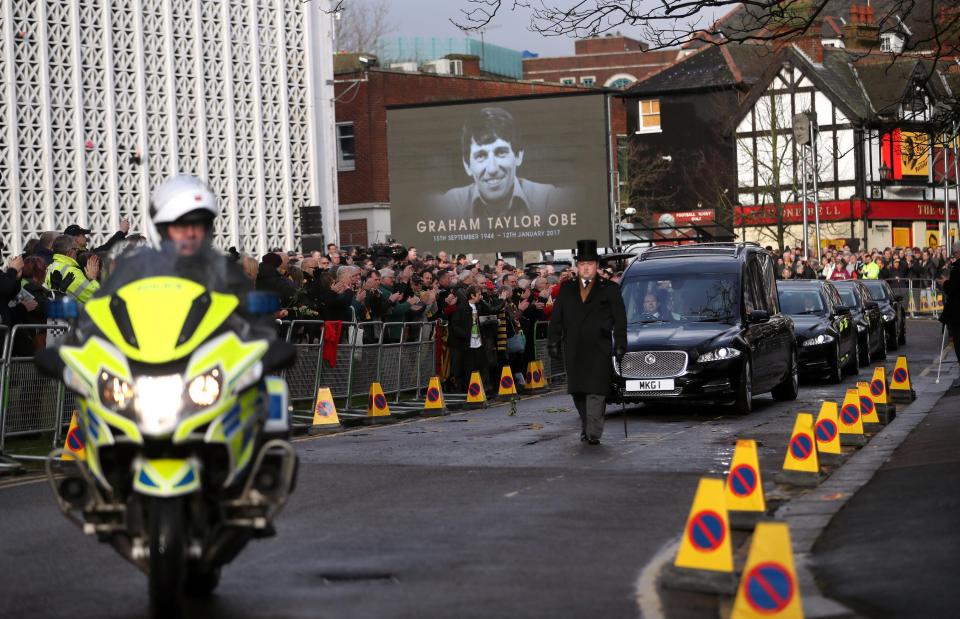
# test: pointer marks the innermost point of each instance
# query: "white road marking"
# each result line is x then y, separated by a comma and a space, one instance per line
648, 600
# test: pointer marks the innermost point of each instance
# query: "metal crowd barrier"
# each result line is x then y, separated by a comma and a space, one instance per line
554, 368
401, 356
31, 402
922, 298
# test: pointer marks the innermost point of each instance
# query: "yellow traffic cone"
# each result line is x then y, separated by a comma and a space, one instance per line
535, 376
868, 410
744, 488
543, 374
434, 404
801, 466
705, 559
377, 408
507, 385
827, 433
900, 390
886, 410
476, 396
325, 417
851, 424
74, 447
769, 585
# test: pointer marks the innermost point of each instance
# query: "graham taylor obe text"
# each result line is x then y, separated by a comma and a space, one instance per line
496, 223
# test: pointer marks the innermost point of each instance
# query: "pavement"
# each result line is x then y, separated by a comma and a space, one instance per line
478, 514
894, 550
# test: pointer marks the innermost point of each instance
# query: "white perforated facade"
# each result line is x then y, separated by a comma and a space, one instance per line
234, 91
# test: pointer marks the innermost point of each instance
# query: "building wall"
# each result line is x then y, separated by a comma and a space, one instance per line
696, 134
604, 67
224, 90
769, 160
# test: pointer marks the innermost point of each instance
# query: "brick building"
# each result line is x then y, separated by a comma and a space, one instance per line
362, 98
612, 61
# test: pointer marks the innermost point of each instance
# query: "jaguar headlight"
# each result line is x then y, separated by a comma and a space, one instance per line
721, 354
204, 390
823, 338
158, 403
115, 393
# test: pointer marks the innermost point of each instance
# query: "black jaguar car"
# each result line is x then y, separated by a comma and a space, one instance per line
865, 312
704, 324
826, 335
891, 306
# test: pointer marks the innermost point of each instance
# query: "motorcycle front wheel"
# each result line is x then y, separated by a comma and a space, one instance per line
167, 556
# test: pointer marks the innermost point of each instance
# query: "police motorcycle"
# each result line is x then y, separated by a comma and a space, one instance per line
185, 429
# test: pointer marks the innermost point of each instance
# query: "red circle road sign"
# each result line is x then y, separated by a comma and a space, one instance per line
706, 531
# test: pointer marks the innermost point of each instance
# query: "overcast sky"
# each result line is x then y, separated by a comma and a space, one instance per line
431, 18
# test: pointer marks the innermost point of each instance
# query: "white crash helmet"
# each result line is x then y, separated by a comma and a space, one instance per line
180, 199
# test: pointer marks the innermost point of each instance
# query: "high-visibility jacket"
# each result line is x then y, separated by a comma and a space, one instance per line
65, 276
871, 270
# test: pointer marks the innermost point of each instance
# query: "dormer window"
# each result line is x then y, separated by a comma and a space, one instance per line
891, 42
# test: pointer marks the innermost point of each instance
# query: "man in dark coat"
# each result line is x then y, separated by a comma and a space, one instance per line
950, 317
587, 312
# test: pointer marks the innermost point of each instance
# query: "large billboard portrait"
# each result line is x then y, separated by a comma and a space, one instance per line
504, 175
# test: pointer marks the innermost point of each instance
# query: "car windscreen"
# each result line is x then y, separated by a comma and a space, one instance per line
849, 298
877, 290
693, 297
798, 302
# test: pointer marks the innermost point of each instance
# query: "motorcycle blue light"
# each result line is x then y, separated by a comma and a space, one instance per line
65, 308
262, 303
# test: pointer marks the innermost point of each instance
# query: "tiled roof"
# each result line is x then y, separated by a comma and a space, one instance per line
711, 67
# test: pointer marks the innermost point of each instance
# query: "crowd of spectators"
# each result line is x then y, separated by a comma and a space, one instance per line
393, 284
490, 311
927, 264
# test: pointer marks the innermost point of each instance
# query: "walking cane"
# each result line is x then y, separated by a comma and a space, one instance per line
943, 346
623, 413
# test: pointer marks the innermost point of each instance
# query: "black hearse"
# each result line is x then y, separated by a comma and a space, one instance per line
704, 324
826, 335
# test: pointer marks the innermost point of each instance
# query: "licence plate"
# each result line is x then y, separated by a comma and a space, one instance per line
661, 384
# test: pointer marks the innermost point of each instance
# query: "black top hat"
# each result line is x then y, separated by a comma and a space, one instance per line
587, 250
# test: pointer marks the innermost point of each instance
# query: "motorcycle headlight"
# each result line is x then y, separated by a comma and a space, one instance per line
158, 403
115, 393
889, 317
721, 354
204, 390
823, 338
861, 328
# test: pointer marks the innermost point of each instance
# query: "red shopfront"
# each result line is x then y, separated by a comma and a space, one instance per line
905, 219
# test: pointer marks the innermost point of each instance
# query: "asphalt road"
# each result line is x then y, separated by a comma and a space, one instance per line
478, 514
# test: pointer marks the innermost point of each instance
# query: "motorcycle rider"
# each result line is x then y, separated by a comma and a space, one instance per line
180, 229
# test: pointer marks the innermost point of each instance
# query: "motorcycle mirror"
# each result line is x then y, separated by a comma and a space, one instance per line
64, 308
262, 303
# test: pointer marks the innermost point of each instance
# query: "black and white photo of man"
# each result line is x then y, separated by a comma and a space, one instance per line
492, 151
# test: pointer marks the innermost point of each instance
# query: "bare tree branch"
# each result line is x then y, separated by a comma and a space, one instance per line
361, 22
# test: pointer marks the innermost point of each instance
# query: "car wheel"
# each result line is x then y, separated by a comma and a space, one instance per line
902, 337
892, 341
836, 372
790, 387
852, 366
864, 351
744, 402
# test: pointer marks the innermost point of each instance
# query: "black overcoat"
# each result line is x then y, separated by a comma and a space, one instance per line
584, 329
